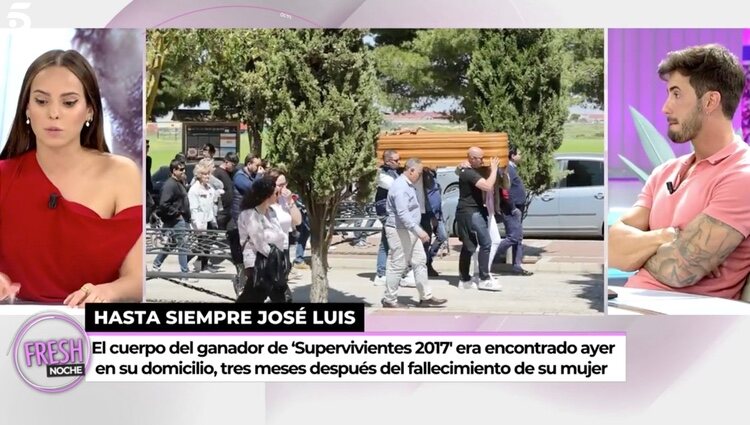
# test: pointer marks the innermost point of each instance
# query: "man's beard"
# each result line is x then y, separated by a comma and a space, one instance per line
689, 128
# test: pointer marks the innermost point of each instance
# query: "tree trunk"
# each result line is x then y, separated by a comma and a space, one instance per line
319, 251
253, 136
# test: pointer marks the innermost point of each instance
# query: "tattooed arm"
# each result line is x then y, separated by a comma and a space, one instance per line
630, 241
701, 247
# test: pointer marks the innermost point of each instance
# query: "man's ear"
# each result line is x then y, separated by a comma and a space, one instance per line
711, 101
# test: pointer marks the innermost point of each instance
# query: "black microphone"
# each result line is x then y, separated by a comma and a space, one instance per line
52, 201
670, 187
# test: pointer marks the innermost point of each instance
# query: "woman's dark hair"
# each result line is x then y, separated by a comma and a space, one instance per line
428, 178
22, 138
262, 189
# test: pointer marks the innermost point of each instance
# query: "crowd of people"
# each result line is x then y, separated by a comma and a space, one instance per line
263, 220
251, 202
409, 201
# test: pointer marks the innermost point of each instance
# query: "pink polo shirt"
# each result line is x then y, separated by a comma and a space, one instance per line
719, 186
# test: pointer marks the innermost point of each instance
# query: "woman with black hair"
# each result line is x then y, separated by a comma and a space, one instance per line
71, 214
262, 238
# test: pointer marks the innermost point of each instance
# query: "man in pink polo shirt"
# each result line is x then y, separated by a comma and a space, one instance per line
689, 229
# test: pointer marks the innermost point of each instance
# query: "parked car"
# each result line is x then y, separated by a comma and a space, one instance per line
573, 207
447, 179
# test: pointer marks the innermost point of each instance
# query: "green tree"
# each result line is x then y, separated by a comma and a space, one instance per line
583, 70
418, 68
241, 67
326, 128
174, 70
516, 87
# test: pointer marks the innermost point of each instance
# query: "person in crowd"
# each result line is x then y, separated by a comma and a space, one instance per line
64, 197
149, 183
472, 220
263, 240
181, 157
495, 203
303, 234
404, 235
213, 181
208, 151
433, 195
243, 179
512, 212
287, 212
242, 182
202, 198
150, 203
174, 210
387, 174
224, 173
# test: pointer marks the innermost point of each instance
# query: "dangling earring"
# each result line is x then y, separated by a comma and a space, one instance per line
28, 121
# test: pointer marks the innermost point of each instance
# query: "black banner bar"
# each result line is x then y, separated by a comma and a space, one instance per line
62, 371
225, 317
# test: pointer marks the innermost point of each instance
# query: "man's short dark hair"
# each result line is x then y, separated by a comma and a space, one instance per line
180, 157
175, 164
232, 157
388, 154
710, 67
249, 158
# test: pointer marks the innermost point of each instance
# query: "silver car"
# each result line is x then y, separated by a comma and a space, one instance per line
573, 207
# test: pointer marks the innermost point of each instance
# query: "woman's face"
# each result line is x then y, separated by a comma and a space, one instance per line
57, 107
203, 178
280, 184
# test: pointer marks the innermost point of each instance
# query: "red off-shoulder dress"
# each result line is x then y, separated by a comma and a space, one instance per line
53, 248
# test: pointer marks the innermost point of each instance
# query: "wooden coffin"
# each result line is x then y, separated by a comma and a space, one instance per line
444, 149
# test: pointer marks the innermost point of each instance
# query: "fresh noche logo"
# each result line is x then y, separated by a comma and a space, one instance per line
51, 352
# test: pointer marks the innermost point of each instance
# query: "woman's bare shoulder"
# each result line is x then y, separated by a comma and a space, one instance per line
123, 176
117, 168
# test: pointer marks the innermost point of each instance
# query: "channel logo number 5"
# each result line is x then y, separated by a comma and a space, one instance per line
18, 19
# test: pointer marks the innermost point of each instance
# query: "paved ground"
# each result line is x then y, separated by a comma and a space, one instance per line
544, 255
568, 279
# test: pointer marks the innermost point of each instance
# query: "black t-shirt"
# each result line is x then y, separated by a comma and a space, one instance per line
226, 198
173, 202
470, 199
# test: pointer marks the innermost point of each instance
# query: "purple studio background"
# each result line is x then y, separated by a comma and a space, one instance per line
633, 57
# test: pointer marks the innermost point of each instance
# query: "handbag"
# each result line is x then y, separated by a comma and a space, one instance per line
271, 271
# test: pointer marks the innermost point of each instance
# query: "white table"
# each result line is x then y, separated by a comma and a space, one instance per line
28, 309
631, 301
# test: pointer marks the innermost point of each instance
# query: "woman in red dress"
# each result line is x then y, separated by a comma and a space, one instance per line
70, 212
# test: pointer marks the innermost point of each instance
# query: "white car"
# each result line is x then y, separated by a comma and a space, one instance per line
573, 207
